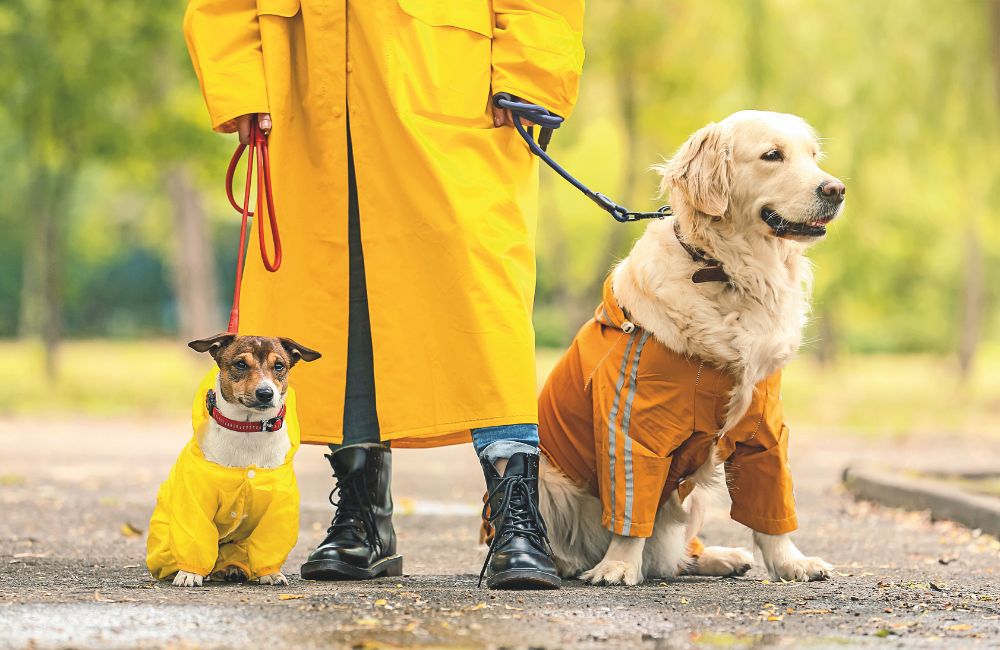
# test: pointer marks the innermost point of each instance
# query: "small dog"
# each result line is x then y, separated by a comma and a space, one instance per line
230, 509
678, 374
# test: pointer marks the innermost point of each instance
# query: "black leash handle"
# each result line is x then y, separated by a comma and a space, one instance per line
548, 122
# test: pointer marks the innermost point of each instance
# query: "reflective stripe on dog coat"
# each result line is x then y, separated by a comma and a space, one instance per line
210, 517
632, 420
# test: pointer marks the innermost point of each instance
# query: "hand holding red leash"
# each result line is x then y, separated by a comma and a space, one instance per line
256, 142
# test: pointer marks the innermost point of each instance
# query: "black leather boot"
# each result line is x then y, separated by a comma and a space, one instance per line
360, 543
519, 556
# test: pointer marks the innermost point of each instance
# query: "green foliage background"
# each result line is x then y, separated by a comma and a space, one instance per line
98, 100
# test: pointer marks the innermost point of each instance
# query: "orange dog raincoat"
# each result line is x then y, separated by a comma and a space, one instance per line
632, 420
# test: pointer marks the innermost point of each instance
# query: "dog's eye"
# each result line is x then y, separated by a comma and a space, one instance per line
773, 155
241, 365
278, 367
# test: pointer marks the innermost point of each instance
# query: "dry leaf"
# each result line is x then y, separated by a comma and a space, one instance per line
128, 530
290, 596
959, 628
381, 602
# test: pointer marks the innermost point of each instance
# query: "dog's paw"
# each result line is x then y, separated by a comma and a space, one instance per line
803, 569
722, 561
185, 579
613, 572
230, 574
274, 579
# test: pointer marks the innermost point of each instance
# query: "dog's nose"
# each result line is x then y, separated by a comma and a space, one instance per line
832, 191
264, 394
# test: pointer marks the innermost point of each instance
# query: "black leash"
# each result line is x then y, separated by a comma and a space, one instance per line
548, 122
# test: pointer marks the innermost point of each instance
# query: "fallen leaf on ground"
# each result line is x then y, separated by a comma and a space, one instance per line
290, 596
961, 627
128, 530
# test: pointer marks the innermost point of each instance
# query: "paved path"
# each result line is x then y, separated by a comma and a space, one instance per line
71, 570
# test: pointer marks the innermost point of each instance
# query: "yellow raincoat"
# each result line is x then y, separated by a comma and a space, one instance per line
210, 517
447, 201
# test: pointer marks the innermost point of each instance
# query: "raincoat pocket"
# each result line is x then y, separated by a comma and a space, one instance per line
283, 8
473, 15
442, 60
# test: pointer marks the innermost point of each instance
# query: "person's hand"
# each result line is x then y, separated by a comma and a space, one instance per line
241, 125
503, 116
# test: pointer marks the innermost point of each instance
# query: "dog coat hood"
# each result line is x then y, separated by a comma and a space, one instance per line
632, 420
209, 517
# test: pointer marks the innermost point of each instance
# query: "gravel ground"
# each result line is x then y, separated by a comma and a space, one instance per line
75, 498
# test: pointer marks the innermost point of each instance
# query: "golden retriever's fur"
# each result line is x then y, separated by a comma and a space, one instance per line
720, 181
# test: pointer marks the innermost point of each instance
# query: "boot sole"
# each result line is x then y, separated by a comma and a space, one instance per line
523, 579
336, 570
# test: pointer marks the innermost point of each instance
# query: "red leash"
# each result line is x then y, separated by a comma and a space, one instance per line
258, 156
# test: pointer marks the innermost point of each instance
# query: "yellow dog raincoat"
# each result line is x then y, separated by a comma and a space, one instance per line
631, 419
209, 517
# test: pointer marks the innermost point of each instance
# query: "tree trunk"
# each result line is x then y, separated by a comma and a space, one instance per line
193, 258
973, 300
44, 262
826, 346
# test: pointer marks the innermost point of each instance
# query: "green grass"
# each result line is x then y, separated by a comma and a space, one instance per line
859, 395
102, 378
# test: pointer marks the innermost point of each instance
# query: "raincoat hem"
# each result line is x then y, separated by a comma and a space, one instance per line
635, 530
765, 525
439, 435
564, 111
232, 114
190, 568
266, 571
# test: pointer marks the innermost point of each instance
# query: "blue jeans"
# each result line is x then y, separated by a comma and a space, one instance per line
493, 443
360, 411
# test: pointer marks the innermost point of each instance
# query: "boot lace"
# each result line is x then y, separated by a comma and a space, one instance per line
351, 509
517, 515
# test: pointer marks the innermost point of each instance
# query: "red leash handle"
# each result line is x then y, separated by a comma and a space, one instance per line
258, 157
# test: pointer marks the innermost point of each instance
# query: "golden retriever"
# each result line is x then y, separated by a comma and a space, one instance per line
748, 195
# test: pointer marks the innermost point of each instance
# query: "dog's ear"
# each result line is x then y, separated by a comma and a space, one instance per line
700, 170
298, 351
213, 344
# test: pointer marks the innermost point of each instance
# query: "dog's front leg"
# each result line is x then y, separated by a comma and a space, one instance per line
276, 578
786, 562
187, 579
622, 564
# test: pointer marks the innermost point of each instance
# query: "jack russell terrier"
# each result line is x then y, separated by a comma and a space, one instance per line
230, 509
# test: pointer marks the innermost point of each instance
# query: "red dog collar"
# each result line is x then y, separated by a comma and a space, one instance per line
273, 424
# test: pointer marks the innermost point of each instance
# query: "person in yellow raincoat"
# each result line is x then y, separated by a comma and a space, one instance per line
407, 220
209, 518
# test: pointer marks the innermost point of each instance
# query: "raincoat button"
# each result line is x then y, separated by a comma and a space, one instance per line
350, 67
251, 473
628, 327
337, 111
233, 514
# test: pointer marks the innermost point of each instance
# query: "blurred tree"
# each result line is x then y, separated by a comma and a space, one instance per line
88, 84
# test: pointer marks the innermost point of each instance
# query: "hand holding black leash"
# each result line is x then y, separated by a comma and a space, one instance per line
547, 121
